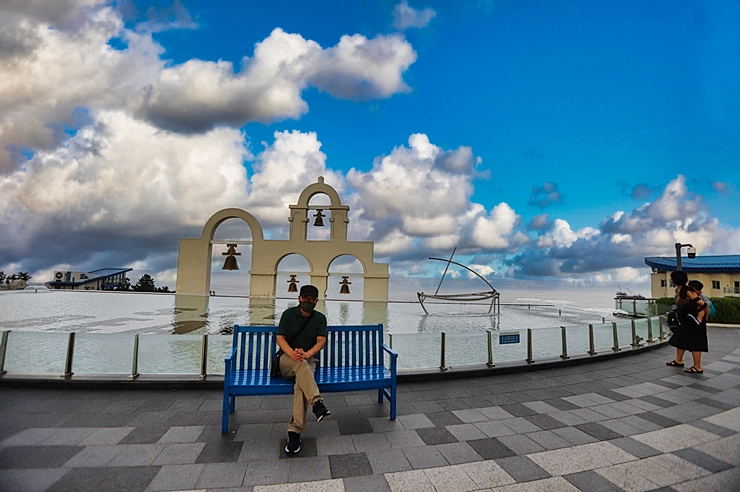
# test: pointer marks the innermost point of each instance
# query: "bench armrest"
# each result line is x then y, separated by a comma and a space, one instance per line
394, 359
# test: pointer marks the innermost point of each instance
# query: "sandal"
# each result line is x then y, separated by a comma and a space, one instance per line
674, 363
693, 370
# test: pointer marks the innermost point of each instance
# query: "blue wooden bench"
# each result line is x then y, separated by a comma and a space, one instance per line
353, 359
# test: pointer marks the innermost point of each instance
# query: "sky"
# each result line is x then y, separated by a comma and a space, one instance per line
546, 140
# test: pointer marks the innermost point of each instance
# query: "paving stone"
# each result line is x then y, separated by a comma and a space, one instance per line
181, 434
30, 480
266, 472
703, 460
417, 421
540, 407
658, 419
426, 457
349, 465
354, 426
494, 429
569, 418
470, 415
518, 410
450, 478
466, 432
369, 483
598, 431
212, 433
561, 404
726, 480
215, 475
487, 474
409, 481
136, 454
386, 461
435, 435
458, 452
427, 407
383, 424
590, 480
220, 452
133, 479
178, 454
621, 428
521, 444
634, 447
522, 469
549, 440
102, 437
675, 438
545, 421
145, 435
442, 419
491, 448
67, 437
36, 456
260, 451
714, 429
335, 445
404, 438
176, 477
370, 442
309, 469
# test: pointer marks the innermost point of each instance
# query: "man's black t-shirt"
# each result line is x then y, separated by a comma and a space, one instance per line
291, 321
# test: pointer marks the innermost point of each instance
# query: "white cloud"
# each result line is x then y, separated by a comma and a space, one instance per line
51, 77
405, 16
491, 232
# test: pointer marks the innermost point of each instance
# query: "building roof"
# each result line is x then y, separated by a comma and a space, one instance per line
700, 264
94, 276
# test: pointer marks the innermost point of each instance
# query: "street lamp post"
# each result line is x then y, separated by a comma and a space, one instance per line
690, 252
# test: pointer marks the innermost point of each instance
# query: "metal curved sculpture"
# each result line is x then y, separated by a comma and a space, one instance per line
466, 297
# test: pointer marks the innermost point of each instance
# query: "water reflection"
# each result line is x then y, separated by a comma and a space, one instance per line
190, 314
374, 312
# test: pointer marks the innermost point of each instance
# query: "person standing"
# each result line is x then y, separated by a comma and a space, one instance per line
301, 336
691, 332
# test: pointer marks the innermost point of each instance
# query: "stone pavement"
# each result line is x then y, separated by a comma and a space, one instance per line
624, 424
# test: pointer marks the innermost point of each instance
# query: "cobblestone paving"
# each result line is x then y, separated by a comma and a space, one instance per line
627, 424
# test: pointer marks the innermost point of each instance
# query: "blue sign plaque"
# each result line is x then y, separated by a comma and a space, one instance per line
508, 337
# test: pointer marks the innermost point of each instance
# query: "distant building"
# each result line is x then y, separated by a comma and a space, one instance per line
103, 279
720, 274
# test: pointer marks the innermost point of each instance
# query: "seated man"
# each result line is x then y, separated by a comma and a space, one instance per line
301, 335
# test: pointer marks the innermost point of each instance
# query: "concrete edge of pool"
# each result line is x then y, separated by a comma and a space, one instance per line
194, 382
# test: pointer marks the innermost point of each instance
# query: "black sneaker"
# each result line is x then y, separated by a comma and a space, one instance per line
294, 443
320, 410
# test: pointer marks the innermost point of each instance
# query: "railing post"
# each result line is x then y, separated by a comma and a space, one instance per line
563, 338
3, 349
204, 358
650, 330
135, 365
490, 349
616, 337
390, 340
635, 342
661, 335
591, 344
634, 307
530, 359
70, 356
442, 366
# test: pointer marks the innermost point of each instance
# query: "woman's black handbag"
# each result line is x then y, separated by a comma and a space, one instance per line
275, 365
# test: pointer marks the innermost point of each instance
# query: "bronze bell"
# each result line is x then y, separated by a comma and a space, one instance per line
231, 254
319, 218
293, 287
345, 285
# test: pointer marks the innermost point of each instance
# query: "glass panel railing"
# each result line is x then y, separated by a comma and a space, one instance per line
603, 337
577, 337
219, 347
464, 349
416, 350
507, 347
30, 352
101, 353
546, 343
168, 354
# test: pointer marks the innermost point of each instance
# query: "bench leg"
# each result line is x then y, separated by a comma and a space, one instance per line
393, 401
380, 395
232, 404
225, 414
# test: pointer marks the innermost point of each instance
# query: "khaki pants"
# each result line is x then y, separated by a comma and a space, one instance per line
305, 391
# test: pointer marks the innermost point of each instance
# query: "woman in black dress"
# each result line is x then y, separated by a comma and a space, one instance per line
691, 332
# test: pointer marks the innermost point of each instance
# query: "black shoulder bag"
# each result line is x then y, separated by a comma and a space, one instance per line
275, 367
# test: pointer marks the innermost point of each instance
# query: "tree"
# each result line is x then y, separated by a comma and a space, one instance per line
145, 284
24, 276
125, 285
11, 278
2, 277
163, 289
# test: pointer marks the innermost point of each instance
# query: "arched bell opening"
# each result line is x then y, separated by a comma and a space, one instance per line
319, 218
293, 272
346, 279
231, 258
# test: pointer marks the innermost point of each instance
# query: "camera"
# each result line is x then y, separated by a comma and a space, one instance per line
691, 252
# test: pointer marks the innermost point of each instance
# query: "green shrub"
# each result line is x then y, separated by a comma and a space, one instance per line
728, 310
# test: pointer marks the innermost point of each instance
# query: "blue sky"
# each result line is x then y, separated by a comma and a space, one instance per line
618, 120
